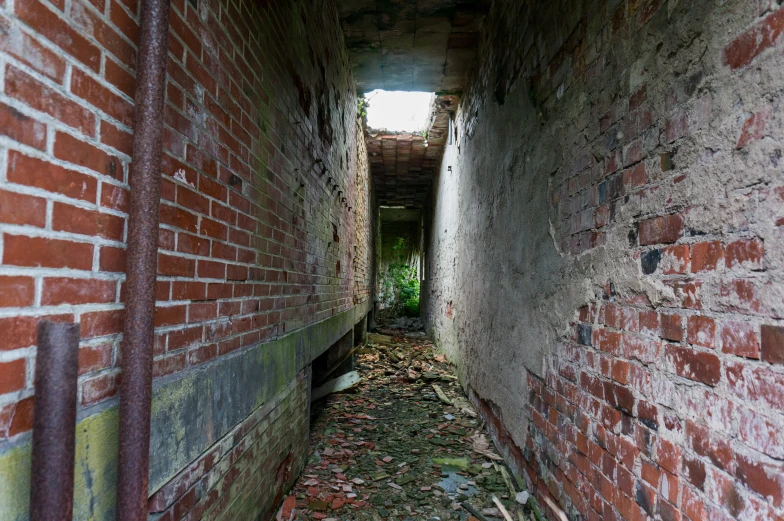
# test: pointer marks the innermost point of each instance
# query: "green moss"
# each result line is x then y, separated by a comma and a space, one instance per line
15, 483
94, 477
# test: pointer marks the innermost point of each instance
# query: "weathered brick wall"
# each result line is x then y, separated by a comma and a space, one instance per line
618, 171
245, 474
265, 223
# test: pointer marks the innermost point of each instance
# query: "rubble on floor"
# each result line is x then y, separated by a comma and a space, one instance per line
413, 327
403, 444
407, 324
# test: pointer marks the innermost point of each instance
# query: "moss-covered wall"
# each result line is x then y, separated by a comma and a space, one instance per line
191, 412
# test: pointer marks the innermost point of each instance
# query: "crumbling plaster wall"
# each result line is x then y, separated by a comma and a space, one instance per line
495, 262
621, 158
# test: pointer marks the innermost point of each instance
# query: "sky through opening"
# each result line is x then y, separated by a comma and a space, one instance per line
398, 111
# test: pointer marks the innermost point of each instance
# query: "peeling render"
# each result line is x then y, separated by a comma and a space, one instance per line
605, 245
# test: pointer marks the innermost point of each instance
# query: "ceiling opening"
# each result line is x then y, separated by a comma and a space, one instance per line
398, 111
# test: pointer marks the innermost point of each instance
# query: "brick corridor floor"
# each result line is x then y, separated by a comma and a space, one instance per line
391, 448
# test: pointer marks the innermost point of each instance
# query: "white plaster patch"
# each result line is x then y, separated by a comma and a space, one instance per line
672, 263
14, 41
80, 15
663, 390
198, 113
179, 175
40, 132
637, 74
762, 435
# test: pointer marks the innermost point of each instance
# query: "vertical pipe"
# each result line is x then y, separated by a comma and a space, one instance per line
54, 422
141, 263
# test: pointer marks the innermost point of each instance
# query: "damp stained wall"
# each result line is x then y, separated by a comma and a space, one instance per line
605, 261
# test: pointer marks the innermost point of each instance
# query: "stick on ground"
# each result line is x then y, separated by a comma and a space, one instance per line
474, 512
502, 508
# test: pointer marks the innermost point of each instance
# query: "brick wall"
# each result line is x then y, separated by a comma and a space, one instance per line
245, 474
618, 167
265, 223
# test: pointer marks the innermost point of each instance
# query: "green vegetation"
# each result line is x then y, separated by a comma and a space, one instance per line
401, 290
400, 284
362, 105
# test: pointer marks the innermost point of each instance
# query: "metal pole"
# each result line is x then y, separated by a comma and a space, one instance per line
141, 262
54, 422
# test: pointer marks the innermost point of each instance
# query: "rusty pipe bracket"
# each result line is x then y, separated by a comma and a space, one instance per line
54, 422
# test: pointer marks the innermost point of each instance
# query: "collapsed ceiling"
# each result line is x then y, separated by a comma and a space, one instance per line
403, 165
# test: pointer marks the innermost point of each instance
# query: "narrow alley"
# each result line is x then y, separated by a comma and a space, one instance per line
433, 260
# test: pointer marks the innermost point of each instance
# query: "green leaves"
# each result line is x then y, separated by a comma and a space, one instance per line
401, 283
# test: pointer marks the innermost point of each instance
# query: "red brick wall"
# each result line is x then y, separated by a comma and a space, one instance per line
673, 411
260, 136
662, 396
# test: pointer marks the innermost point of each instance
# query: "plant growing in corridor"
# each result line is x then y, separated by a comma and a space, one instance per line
400, 283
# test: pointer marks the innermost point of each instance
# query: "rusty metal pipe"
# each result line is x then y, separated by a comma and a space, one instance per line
54, 422
142, 263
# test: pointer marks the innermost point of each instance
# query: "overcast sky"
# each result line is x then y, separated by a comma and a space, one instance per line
398, 110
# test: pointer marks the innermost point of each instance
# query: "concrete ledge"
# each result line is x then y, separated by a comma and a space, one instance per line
190, 412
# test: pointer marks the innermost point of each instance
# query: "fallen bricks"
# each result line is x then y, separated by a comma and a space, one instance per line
402, 444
